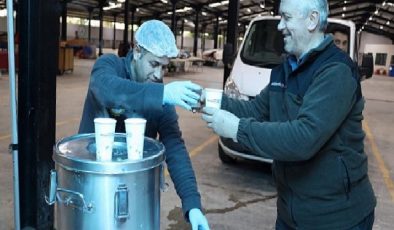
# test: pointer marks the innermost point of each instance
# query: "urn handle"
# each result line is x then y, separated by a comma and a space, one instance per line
69, 198
122, 203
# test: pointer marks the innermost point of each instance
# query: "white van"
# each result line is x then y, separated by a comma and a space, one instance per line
260, 51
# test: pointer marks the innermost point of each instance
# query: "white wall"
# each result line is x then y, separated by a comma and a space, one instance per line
368, 38
108, 36
378, 48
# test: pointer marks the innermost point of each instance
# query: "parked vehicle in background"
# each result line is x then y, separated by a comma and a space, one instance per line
260, 51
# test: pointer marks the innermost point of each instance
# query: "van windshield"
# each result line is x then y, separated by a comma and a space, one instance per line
263, 45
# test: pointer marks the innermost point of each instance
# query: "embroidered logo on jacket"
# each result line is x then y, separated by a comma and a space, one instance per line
278, 84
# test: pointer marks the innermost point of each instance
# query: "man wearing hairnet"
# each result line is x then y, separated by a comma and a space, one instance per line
132, 86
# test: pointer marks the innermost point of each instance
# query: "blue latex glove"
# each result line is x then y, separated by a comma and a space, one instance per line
181, 93
198, 220
223, 123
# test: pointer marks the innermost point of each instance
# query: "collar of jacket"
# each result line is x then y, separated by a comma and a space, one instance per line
310, 55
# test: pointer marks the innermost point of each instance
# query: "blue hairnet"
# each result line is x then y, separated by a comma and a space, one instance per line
157, 38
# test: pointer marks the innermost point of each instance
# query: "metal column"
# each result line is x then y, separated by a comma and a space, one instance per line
195, 43
101, 5
232, 32
133, 9
38, 62
276, 7
114, 35
203, 37
173, 17
126, 23
90, 10
216, 33
182, 31
64, 20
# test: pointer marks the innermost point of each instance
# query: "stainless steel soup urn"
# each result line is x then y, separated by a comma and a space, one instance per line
118, 194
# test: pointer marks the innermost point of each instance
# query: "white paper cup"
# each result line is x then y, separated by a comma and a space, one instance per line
135, 130
213, 97
105, 133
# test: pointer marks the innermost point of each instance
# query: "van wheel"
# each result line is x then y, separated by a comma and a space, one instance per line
226, 159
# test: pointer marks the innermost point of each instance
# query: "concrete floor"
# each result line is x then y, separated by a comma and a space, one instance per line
235, 197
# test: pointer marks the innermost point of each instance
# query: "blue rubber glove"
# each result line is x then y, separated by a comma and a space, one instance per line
198, 220
181, 93
223, 123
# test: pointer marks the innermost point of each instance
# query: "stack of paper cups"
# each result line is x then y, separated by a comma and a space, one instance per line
105, 134
213, 98
135, 130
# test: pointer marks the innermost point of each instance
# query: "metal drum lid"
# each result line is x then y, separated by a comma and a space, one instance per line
78, 153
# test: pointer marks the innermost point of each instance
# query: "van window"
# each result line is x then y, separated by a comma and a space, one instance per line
263, 45
381, 59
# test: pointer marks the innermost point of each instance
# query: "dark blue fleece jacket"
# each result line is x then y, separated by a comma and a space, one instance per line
308, 120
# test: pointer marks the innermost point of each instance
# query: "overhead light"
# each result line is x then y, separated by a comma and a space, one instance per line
345, 1
343, 15
216, 4
344, 8
272, 12
121, 1
113, 6
184, 9
381, 27
370, 18
388, 23
262, 6
376, 11
204, 13
164, 1
249, 10
384, 3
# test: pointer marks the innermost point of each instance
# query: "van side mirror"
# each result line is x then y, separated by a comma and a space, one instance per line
227, 53
366, 68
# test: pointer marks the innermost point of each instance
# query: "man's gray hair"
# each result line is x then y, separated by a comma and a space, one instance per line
320, 6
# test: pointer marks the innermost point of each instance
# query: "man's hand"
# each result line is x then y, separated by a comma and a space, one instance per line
198, 220
223, 123
181, 93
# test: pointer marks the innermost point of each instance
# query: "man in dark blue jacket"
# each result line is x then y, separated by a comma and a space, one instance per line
308, 120
132, 87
